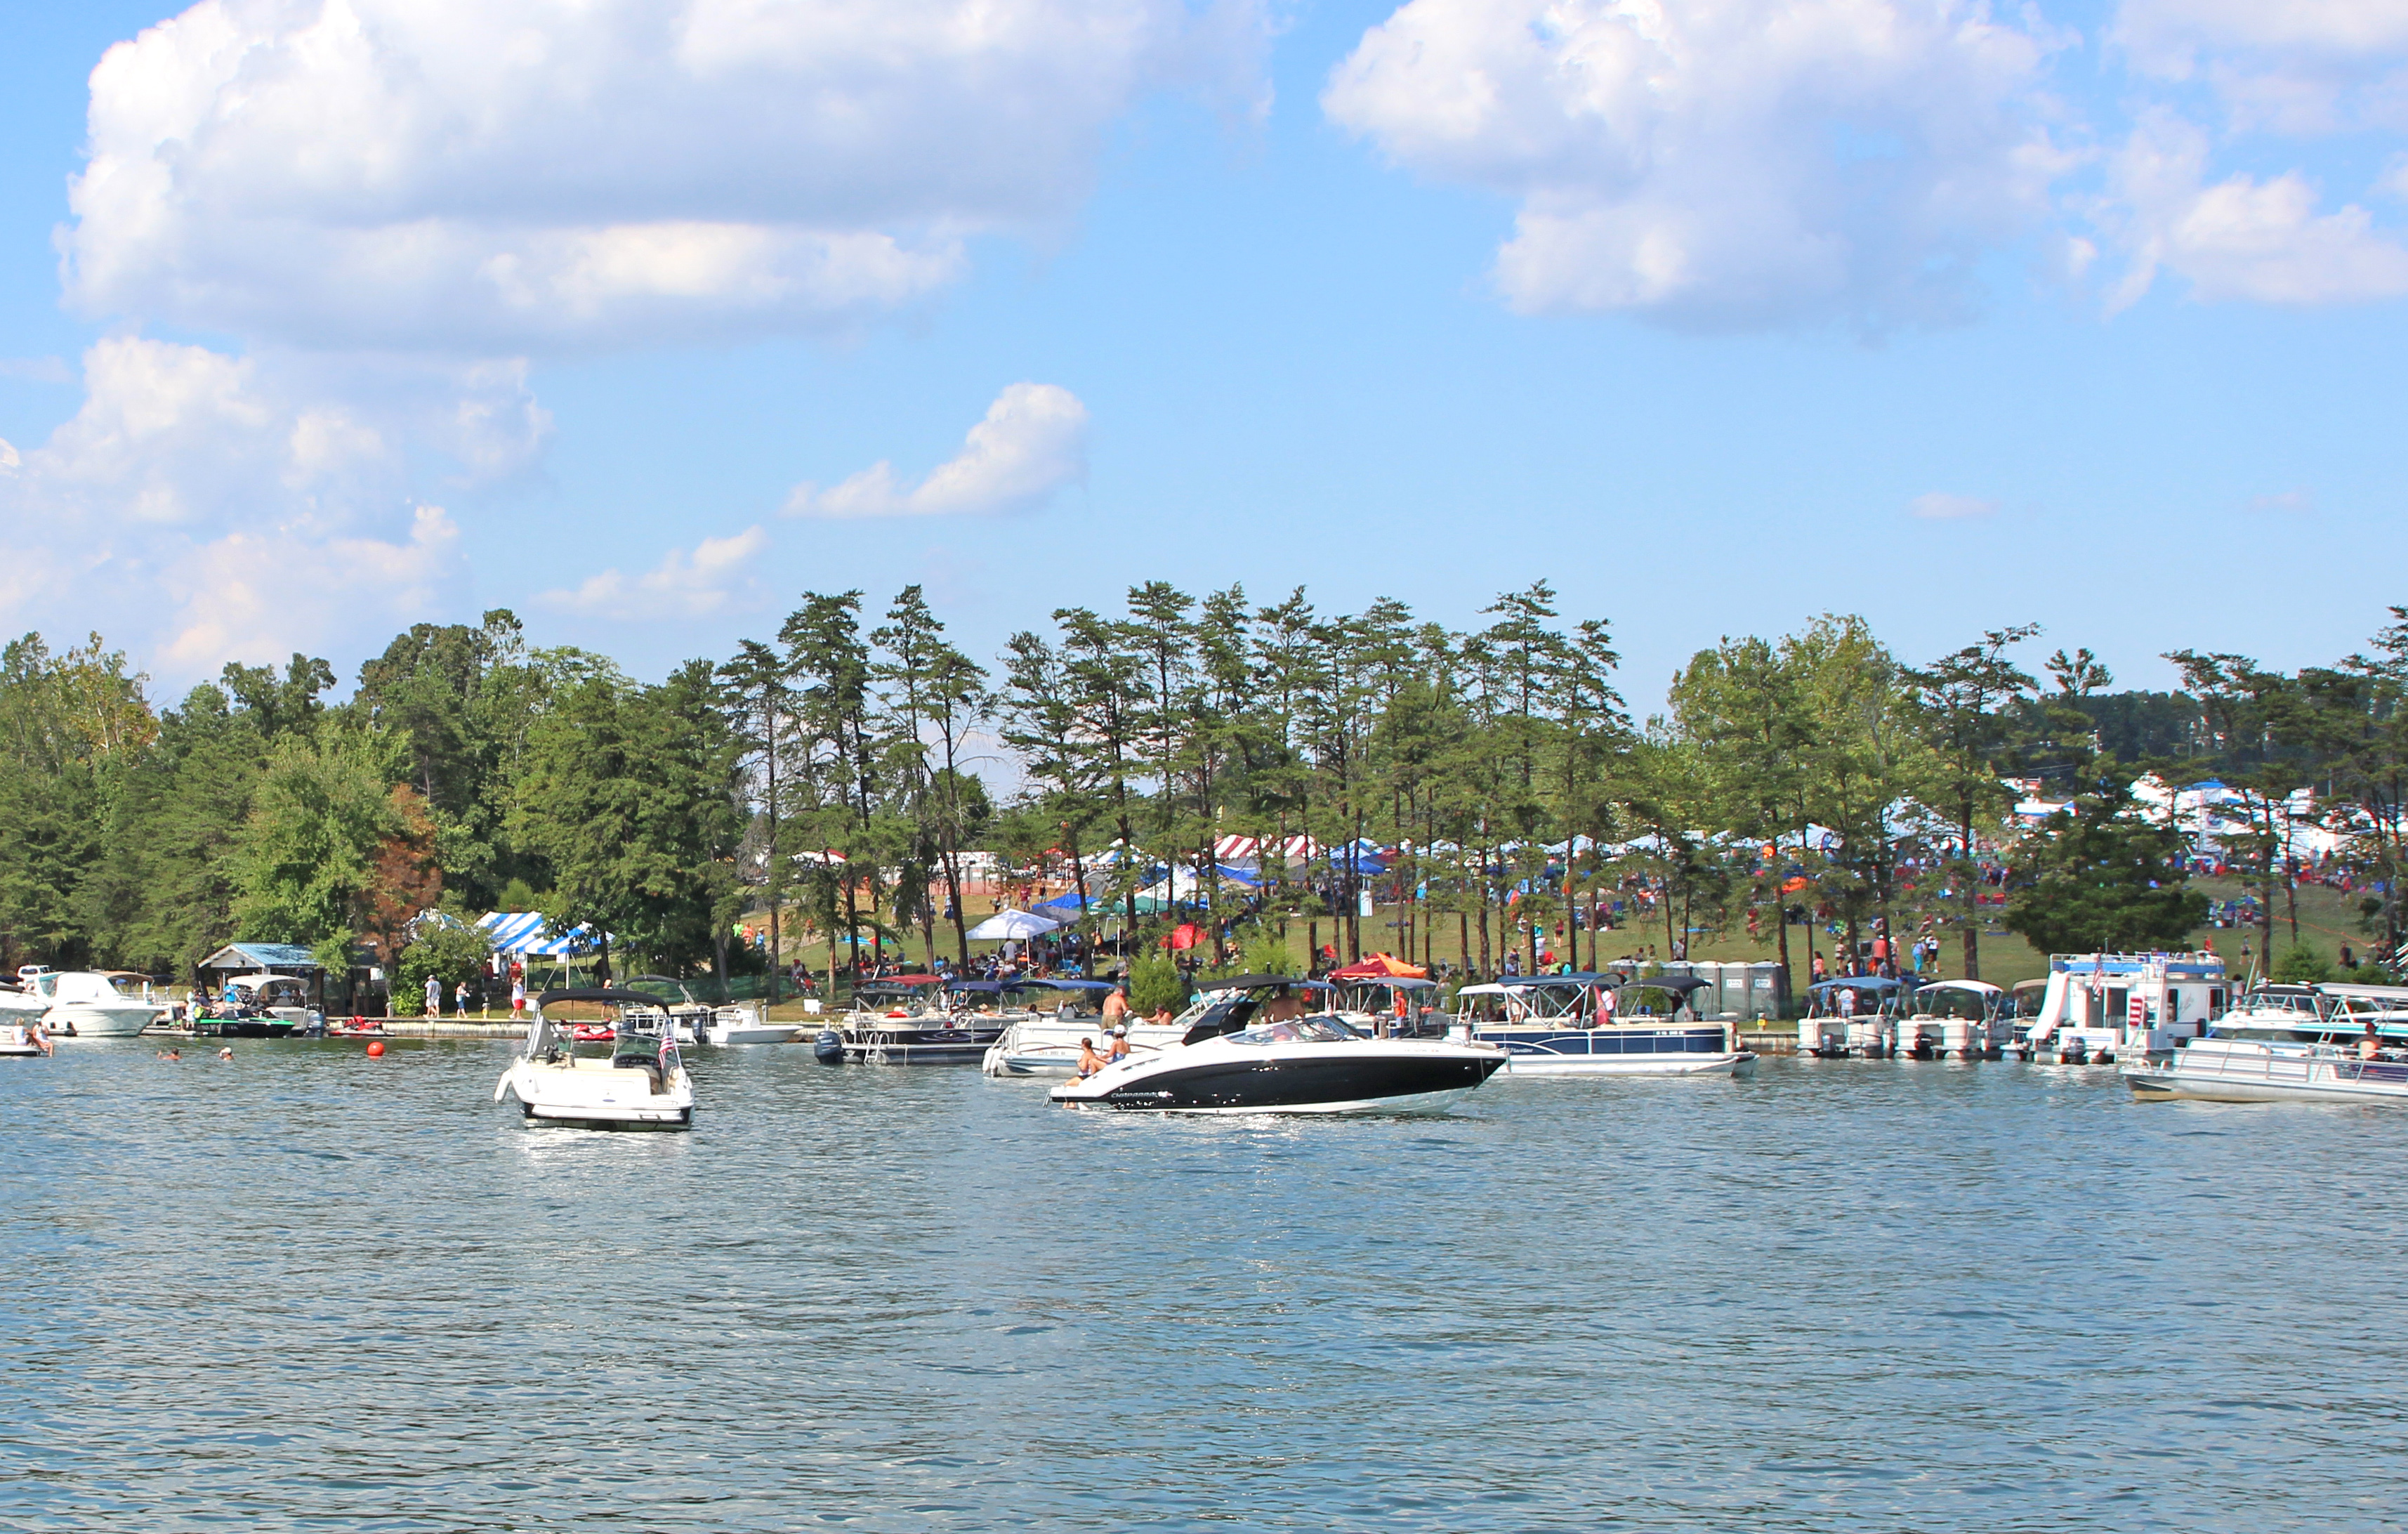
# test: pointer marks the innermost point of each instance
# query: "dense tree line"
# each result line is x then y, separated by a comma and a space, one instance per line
836, 778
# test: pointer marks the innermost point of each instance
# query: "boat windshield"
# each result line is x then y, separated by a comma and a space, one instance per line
1301, 1030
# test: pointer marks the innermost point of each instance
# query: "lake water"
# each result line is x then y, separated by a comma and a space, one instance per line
312, 1290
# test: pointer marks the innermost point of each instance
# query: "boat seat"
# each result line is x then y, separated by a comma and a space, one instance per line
643, 1063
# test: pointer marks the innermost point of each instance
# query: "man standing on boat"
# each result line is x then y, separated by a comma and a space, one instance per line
1116, 1006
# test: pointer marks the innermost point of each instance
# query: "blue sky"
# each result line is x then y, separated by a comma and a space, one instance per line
2085, 315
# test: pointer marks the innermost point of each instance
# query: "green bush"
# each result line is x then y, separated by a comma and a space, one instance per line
1155, 983
1265, 953
2303, 967
451, 954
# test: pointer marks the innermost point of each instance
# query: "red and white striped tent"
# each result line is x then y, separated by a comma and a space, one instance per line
1295, 848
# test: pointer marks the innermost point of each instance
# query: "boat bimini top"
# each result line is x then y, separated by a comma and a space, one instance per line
543, 1033
1985, 998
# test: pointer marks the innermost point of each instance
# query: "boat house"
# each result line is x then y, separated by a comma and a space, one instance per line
270, 958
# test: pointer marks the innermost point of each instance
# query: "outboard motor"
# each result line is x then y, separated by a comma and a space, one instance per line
828, 1048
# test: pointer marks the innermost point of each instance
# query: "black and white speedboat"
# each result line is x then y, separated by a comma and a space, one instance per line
1305, 1065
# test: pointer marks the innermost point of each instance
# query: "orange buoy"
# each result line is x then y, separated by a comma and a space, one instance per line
375, 1049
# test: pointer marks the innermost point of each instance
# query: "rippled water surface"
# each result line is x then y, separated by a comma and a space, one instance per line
308, 1289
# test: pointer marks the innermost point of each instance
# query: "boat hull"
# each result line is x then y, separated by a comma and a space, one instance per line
2217, 1070
1323, 1080
1051, 1048
84, 1020
579, 1096
565, 1117
752, 1034
874, 1045
1617, 1051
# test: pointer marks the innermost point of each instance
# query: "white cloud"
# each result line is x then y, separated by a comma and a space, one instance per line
1032, 443
1937, 506
2297, 502
203, 507
717, 575
2296, 66
264, 596
497, 176
2239, 237
1724, 161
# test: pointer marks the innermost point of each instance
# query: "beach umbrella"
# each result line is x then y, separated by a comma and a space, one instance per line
1012, 923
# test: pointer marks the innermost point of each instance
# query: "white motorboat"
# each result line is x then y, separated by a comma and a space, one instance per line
1046, 1041
1305, 1065
2219, 1070
697, 1021
745, 1026
639, 1083
82, 1004
1593, 1024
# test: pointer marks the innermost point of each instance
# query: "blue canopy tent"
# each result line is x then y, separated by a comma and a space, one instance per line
527, 934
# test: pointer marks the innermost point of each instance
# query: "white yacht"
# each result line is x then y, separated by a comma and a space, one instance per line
82, 1004
639, 1083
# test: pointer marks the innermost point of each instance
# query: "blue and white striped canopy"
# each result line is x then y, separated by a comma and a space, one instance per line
522, 932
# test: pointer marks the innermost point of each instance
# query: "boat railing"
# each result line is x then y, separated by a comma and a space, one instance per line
2295, 1061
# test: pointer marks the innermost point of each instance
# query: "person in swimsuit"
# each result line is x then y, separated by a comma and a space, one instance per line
1119, 1047
1089, 1061
1286, 1006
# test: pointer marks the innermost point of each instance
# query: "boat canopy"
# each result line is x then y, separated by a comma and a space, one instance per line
1857, 983
1678, 984
1249, 982
2365, 992
1977, 987
675, 985
1031, 984
606, 995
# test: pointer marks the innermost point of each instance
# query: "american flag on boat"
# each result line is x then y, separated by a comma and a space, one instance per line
668, 1061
